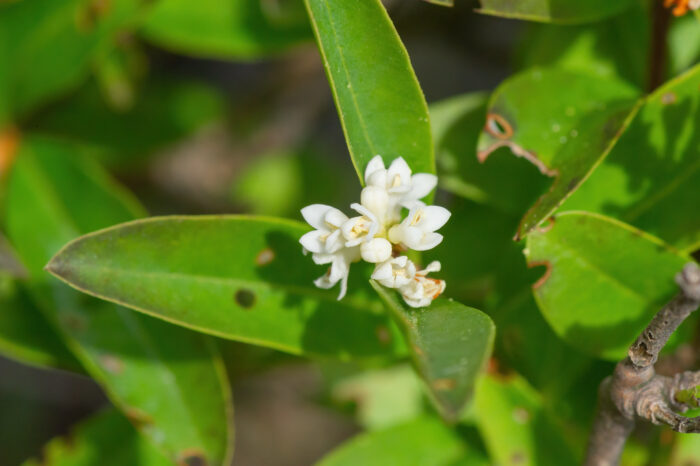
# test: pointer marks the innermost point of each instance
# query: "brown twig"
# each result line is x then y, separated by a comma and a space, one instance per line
661, 20
635, 391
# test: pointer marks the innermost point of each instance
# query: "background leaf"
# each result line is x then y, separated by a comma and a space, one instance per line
449, 344
241, 278
555, 11
604, 280
168, 381
562, 122
650, 179
381, 106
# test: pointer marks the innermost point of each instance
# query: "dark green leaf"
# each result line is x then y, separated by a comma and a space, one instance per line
106, 439
555, 11
651, 177
422, 442
604, 280
449, 343
561, 121
242, 29
168, 381
381, 106
241, 278
516, 429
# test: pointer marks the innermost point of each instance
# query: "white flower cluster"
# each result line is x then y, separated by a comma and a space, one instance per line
378, 234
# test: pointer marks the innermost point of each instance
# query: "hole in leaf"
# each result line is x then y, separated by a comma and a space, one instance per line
245, 298
498, 127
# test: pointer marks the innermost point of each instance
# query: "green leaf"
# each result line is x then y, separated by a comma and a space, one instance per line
236, 277
46, 46
604, 280
650, 179
240, 29
563, 122
555, 11
26, 336
515, 427
170, 109
683, 44
686, 450
422, 442
449, 343
618, 47
168, 381
106, 439
381, 106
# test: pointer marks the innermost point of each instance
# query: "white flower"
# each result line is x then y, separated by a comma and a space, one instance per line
357, 230
376, 250
327, 220
694, 4
339, 270
421, 291
403, 188
395, 273
417, 230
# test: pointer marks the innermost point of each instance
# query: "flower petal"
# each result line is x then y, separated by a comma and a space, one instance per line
400, 168
315, 214
433, 218
383, 271
429, 241
421, 185
376, 250
312, 241
374, 165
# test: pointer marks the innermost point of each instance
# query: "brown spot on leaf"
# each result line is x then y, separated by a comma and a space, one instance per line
245, 298
444, 384
89, 15
264, 257
573, 183
669, 98
521, 415
73, 321
547, 225
138, 417
498, 127
9, 141
544, 277
192, 457
417, 350
112, 364
383, 334
518, 457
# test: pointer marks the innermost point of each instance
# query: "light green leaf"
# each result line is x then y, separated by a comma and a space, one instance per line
46, 46
381, 106
555, 11
686, 450
106, 439
515, 428
240, 29
422, 442
168, 381
651, 177
604, 280
236, 277
563, 122
449, 343
683, 43
26, 336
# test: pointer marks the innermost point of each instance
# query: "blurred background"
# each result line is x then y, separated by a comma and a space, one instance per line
244, 122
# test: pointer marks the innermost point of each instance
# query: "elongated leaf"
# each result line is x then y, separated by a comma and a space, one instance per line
26, 336
515, 427
242, 29
604, 280
422, 442
555, 11
563, 122
381, 106
46, 46
168, 381
449, 344
106, 439
241, 278
651, 178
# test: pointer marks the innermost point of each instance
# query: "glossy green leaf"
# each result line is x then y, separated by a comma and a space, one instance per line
422, 442
236, 277
618, 47
170, 382
241, 29
106, 439
555, 11
651, 177
381, 106
449, 343
561, 121
164, 111
26, 336
46, 46
604, 280
514, 425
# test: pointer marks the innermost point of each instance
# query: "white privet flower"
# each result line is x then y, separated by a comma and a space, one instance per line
421, 291
694, 4
378, 233
417, 230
